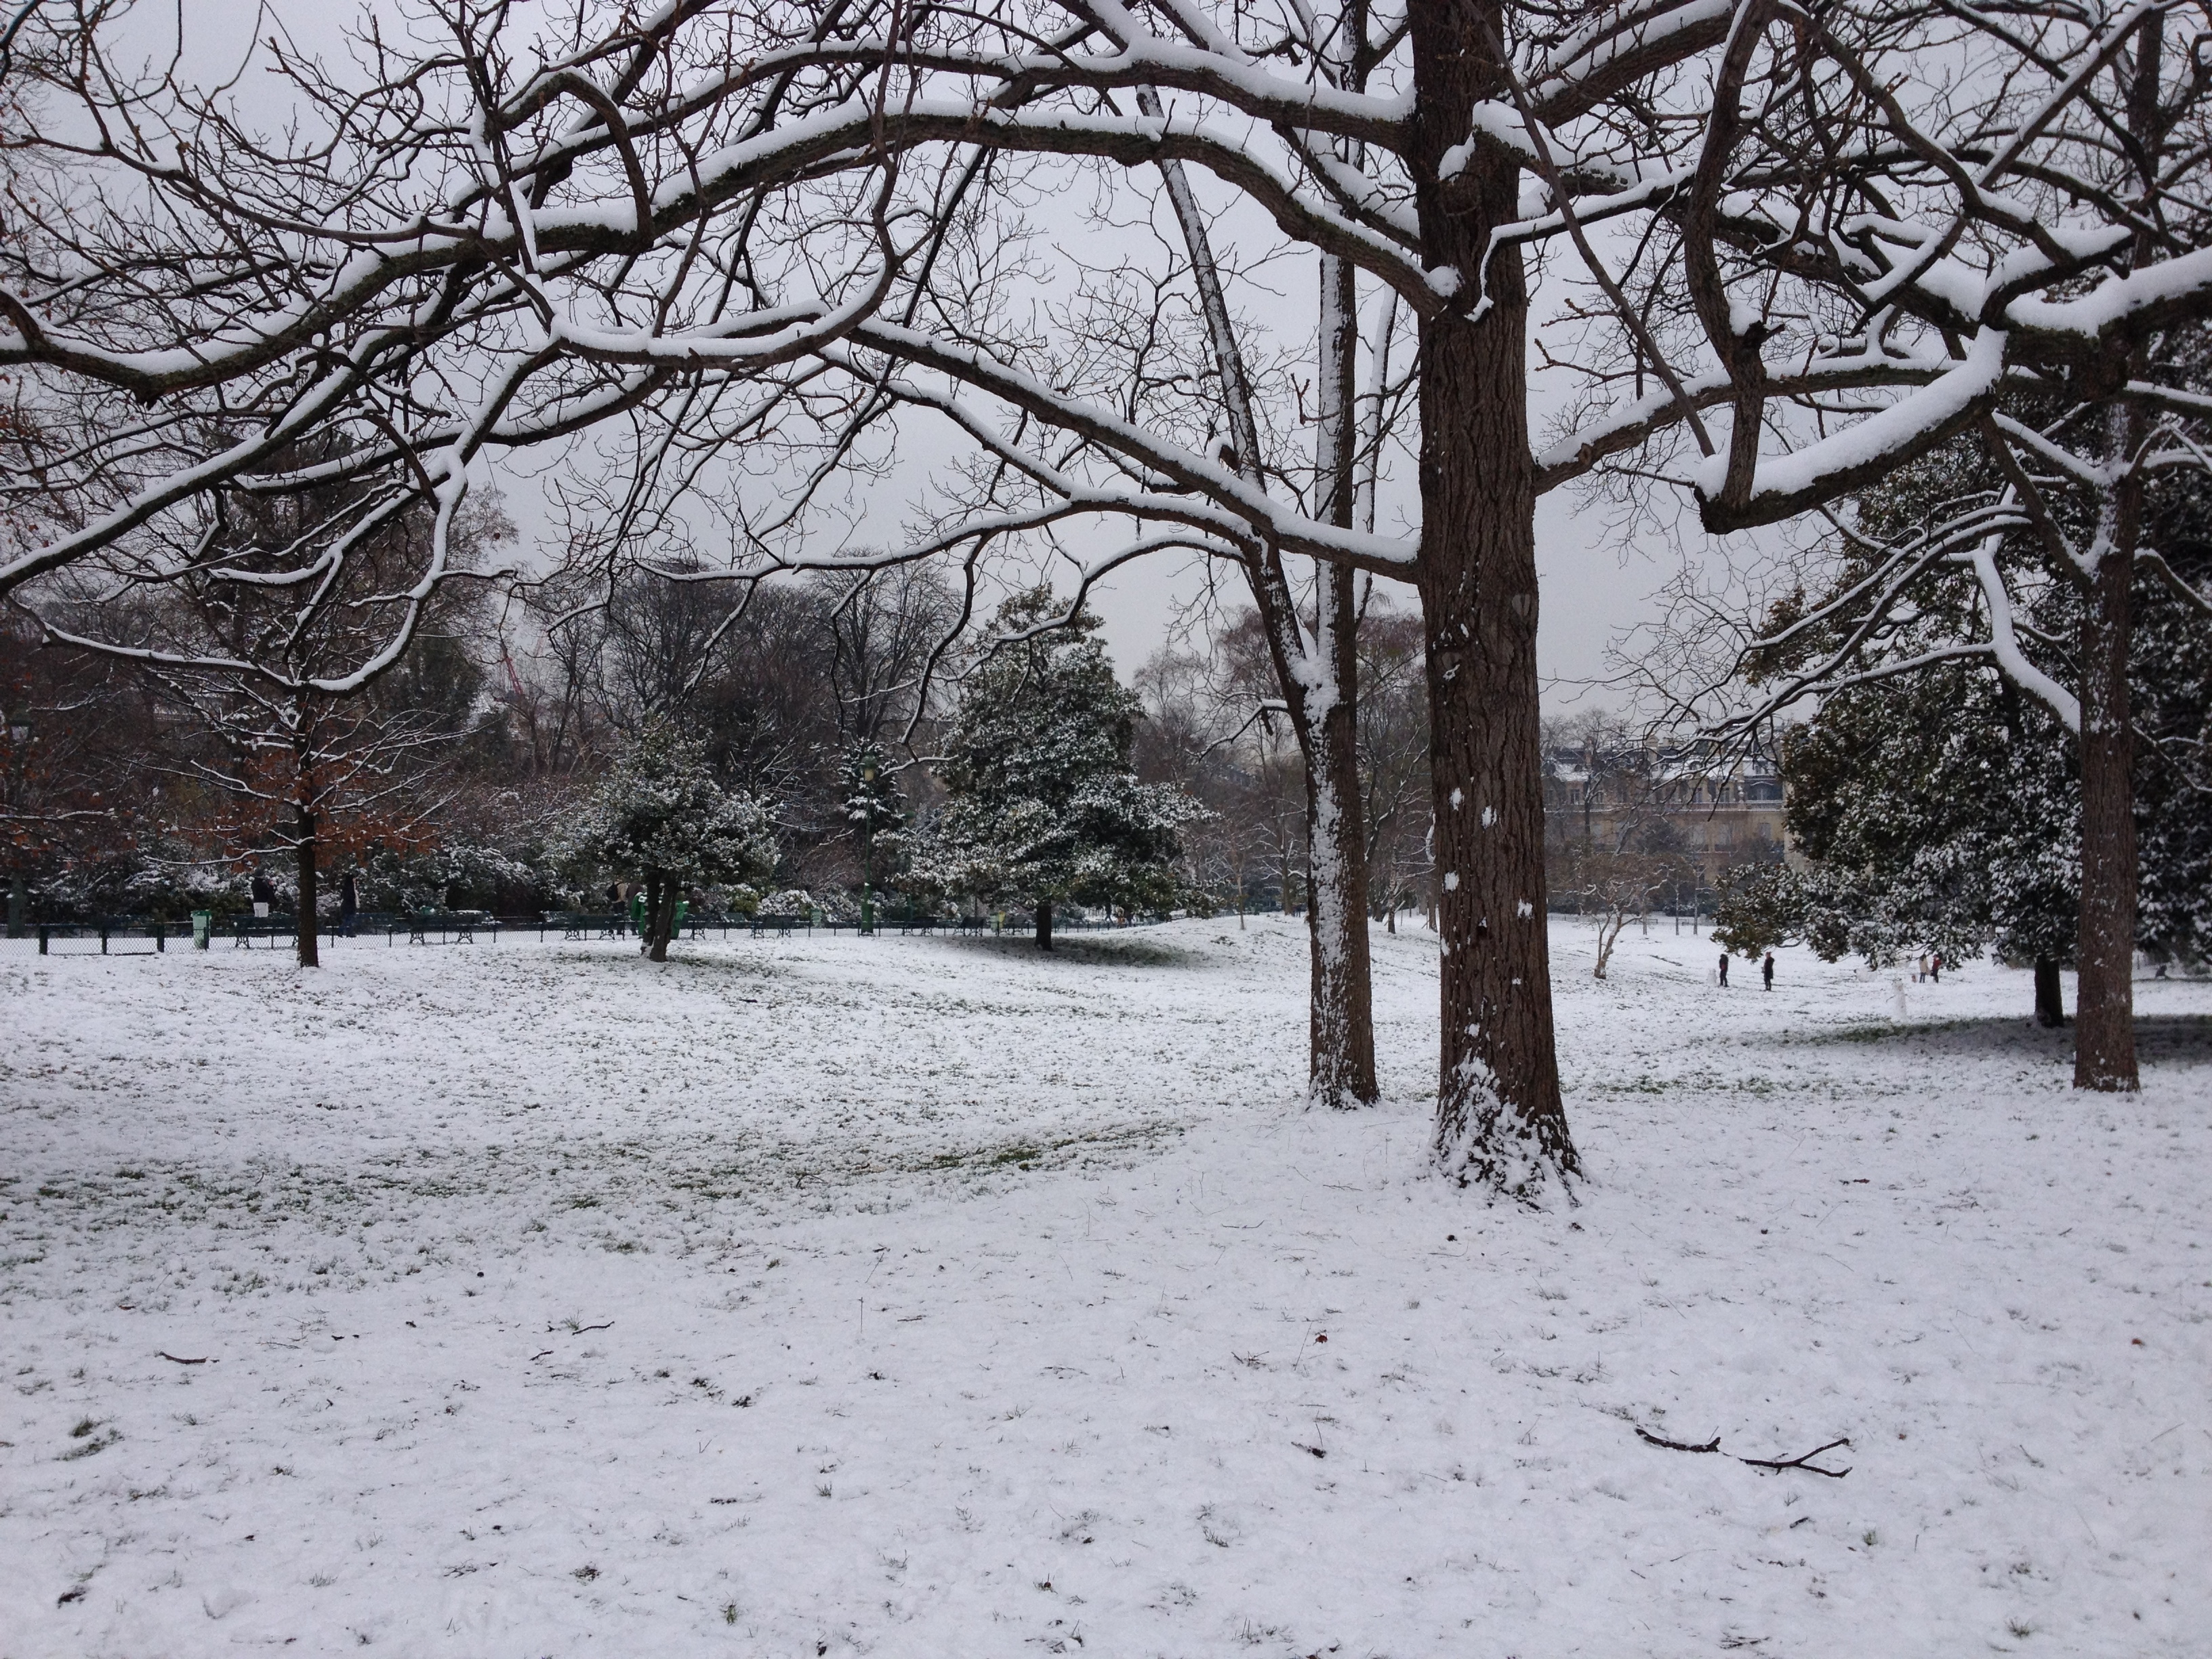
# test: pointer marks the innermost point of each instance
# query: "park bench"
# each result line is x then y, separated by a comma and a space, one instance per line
452, 927
271, 930
110, 931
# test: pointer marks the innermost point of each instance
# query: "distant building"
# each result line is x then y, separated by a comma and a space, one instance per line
1712, 807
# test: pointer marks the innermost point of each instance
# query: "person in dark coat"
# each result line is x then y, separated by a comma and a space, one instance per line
1766, 970
264, 895
1724, 970
349, 904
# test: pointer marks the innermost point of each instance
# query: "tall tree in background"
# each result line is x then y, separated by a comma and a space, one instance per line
1043, 805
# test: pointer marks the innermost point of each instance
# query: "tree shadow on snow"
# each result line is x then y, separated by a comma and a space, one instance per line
2160, 1039
1086, 950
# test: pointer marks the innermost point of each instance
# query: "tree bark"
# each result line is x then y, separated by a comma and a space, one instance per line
2105, 950
2050, 999
303, 830
1340, 1072
1325, 709
2104, 1023
1044, 924
1500, 1122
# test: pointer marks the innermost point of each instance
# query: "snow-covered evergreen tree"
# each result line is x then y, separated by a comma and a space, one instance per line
870, 793
1044, 806
1942, 810
660, 815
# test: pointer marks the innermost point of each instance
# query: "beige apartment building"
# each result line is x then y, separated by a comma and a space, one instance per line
1713, 808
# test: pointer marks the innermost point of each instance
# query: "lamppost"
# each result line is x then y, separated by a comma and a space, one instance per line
868, 839
19, 740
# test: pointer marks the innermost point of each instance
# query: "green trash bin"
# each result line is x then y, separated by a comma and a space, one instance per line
203, 928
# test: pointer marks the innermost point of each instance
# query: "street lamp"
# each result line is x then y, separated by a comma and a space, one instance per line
867, 837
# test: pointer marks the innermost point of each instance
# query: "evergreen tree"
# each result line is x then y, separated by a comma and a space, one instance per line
870, 794
1942, 810
1044, 806
660, 814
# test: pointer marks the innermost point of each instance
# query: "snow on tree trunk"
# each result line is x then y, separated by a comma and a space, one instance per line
1500, 1122
1341, 1055
1318, 674
1611, 924
1044, 924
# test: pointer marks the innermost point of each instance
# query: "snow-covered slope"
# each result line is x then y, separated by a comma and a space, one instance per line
923, 1297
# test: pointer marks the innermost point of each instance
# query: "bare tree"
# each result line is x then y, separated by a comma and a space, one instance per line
312, 735
687, 235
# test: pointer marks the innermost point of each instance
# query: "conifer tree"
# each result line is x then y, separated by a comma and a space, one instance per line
1044, 806
660, 814
870, 794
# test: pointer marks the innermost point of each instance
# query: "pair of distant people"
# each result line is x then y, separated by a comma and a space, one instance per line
1766, 970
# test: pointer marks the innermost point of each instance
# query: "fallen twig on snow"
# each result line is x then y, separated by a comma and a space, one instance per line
1805, 1462
178, 1359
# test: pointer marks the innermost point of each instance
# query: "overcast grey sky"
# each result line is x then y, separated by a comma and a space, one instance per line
1597, 578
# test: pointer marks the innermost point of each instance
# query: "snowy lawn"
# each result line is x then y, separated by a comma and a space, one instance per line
915, 1297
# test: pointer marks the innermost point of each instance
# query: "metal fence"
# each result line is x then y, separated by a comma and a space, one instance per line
138, 935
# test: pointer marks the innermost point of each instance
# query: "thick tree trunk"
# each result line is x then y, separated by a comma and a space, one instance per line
2103, 1022
2050, 999
303, 830
2105, 950
1044, 925
1499, 1119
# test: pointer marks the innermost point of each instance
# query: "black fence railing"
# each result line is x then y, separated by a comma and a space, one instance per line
138, 935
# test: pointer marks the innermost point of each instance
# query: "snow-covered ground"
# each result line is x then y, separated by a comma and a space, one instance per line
916, 1296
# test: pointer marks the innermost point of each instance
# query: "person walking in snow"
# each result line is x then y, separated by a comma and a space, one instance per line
1935, 968
349, 904
264, 895
1724, 970
1766, 970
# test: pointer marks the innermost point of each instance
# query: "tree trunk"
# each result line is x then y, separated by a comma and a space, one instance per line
1319, 676
1325, 708
2105, 950
661, 918
2103, 1023
1341, 1054
303, 829
1499, 1119
2050, 1002
1044, 924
